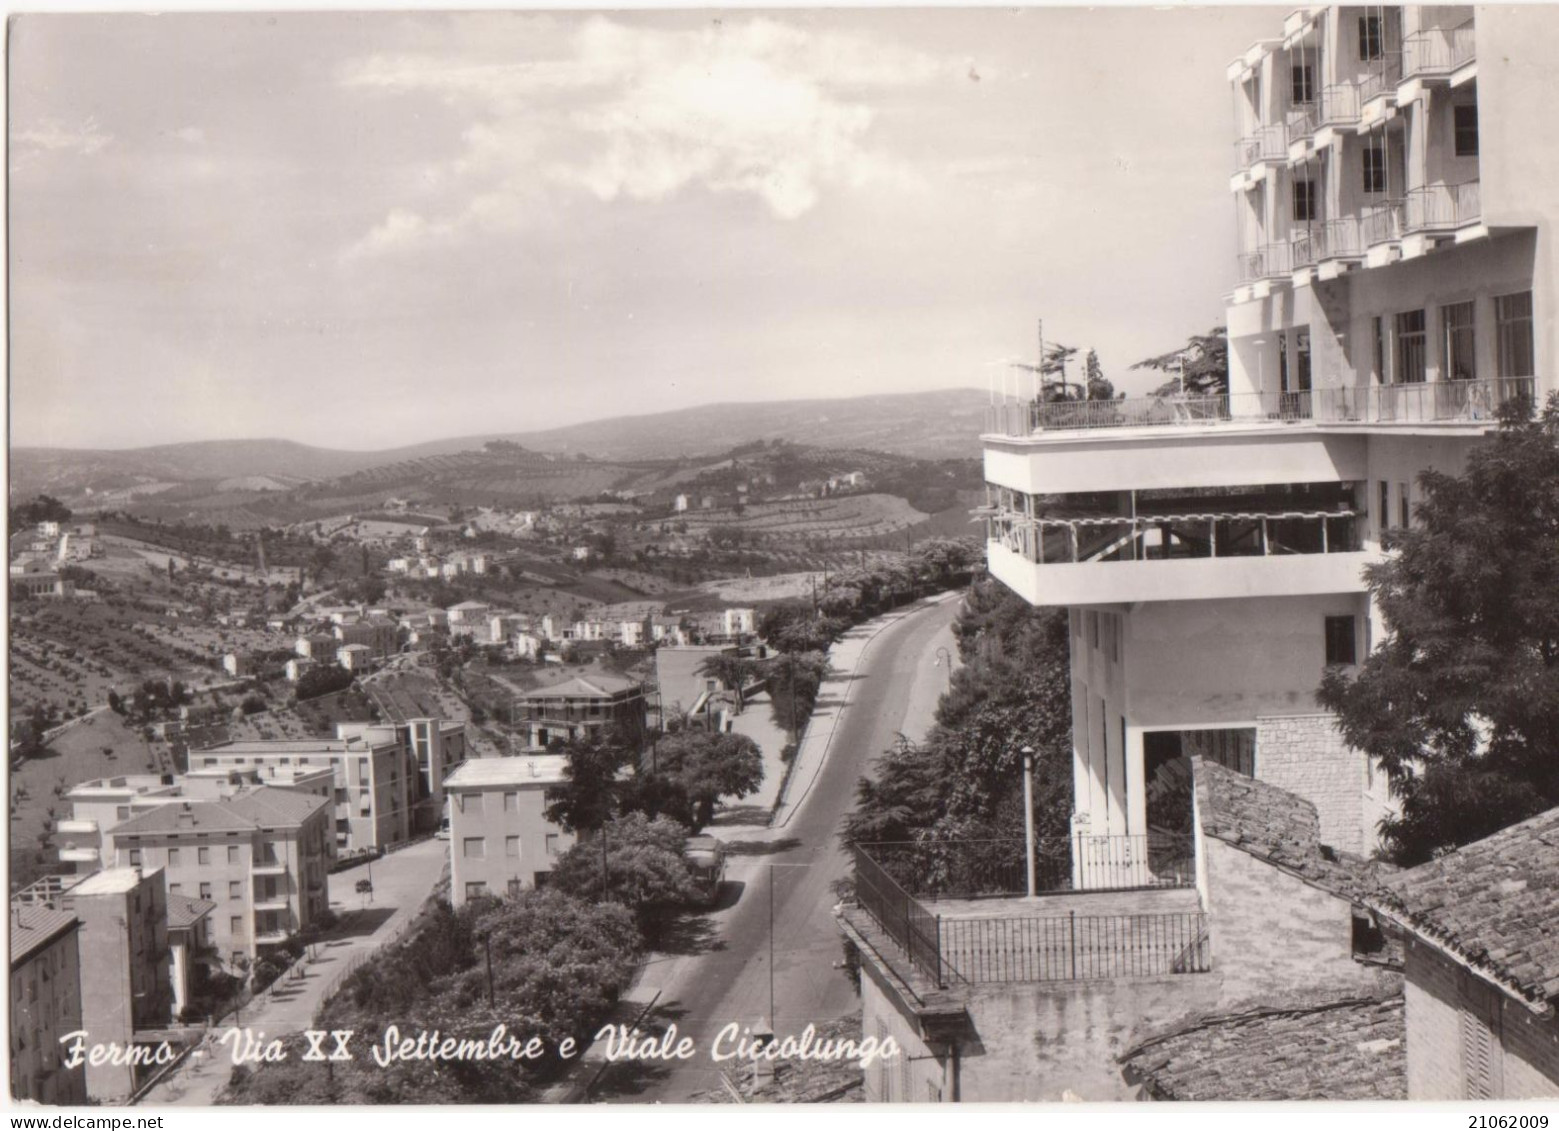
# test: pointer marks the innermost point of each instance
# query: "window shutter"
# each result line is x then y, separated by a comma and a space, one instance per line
1482, 1070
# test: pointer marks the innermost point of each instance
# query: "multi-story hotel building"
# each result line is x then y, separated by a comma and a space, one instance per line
500, 841
1394, 200
261, 856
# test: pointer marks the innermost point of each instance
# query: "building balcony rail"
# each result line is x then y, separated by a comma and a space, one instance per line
1265, 143
271, 903
1339, 104
1382, 78
1166, 537
1442, 207
1325, 240
272, 937
979, 869
1032, 946
1382, 223
1302, 119
1441, 401
74, 854
1436, 51
270, 867
75, 827
1272, 261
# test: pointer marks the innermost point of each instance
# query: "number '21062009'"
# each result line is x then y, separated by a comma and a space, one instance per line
1507, 1122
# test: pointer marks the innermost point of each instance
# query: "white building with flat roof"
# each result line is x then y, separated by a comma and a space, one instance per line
500, 841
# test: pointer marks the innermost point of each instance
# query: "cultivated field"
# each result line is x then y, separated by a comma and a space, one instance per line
844, 518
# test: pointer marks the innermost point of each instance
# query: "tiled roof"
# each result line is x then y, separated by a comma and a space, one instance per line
185, 911
1278, 827
597, 685
1315, 1049
34, 927
244, 812
1493, 904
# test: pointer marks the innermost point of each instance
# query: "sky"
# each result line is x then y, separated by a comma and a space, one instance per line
363, 230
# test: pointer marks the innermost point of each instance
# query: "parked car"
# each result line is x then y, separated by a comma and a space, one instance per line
706, 855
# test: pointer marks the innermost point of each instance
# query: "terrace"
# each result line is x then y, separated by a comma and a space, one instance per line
1443, 207
1438, 51
1442, 402
948, 914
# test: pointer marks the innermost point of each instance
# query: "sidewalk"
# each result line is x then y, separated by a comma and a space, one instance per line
402, 879
757, 723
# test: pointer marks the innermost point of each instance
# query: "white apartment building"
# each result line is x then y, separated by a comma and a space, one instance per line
1394, 198
501, 843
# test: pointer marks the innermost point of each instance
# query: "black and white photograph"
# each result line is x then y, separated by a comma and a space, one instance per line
709, 557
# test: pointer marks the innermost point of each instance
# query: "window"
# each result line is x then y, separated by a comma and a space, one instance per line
1385, 506
362, 769
1093, 628
135, 858
1374, 165
1378, 328
238, 957
175, 889
552, 844
205, 891
1371, 44
235, 889
173, 857
1302, 84
511, 846
232, 854
476, 890
203, 855
1404, 510
511, 802
1465, 119
1304, 201
122, 813
235, 925
1412, 364
1340, 647
514, 889
474, 848
1456, 323
1513, 325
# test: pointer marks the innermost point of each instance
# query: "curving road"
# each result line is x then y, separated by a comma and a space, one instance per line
722, 971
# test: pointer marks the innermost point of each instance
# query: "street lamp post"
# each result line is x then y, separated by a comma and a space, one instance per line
1028, 816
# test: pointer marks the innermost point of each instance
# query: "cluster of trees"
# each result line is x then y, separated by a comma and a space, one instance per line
1200, 367
545, 963
44, 508
323, 679
964, 782
154, 699
1460, 704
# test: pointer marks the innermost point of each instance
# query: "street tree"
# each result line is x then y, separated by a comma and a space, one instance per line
594, 783
1460, 703
1201, 365
634, 861
704, 767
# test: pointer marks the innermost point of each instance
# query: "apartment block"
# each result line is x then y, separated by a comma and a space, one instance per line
45, 1004
261, 856
580, 706
125, 969
1396, 288
500, 842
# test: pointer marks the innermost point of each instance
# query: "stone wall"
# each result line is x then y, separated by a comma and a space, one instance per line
1272, 932
1305, 754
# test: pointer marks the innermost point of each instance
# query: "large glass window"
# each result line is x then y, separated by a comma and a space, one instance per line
1302, 86
1466, 122
1374, 165
1304, 200
1412, 364
1513, 323
1457, 323
1371, 44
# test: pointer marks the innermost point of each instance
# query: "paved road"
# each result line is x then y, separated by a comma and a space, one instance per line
723, 972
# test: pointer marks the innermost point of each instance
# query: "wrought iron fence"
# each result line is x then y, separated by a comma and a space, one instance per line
1077, 947
911, 926
974, 869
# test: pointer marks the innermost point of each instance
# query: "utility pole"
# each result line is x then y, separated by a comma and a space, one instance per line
1028, 816
487, 942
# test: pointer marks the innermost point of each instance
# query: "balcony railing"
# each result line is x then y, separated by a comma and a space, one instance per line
1174, 537
1445, 401
1442, 207
1073, 947
1266, 143
1328, 239
1340, 105
1302, 119
982, 869
1381, 223
909, 924
1272, 261
1382, 79
1438, 51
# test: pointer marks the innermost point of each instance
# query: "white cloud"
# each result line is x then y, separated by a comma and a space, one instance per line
757, 107
83, 139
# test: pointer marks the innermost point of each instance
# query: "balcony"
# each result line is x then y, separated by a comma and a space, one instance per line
271, 903
954, 914
1439, 402
76, 828
1437, 52
271, 937
269, 867
79, 854
1267, 143
1443, 208
1381, 223
1272, 261
1339, 105
1381, 82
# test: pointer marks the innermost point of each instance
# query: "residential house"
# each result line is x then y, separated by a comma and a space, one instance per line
190, 949
500, 841
581, 706
1482, 966
45, 1005
354, 657
378, 635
